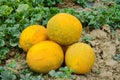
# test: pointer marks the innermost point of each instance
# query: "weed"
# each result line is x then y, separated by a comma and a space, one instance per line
116, 57
64, 73
87, 39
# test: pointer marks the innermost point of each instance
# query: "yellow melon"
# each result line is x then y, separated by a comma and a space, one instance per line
64, 29
32, 35
80, 57
45, 56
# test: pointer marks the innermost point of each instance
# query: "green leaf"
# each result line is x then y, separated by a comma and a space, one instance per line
87, 39
82, 3
38, 16
6, 75
2, 42
3, 52
45, 22
64, 72
2, 68
52, 73
30, 77
60, 74
0, 2
13, 42
13, 64
10, 21
15, 33
2, 34
116, 57
5, 10
22, 7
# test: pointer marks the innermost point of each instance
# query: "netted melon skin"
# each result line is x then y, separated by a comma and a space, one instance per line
64, 29
45, 56
31, 36
80, 57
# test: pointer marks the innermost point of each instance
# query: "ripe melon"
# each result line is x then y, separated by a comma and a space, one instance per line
64, 29
80, 57
45, 56
32, 35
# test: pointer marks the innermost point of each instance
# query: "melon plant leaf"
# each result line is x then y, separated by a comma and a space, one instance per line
13, 42
3, 52
52, 73
6, 75
116, 57
2, 69
10, 21
22, 7
61, 75
2, 42
2, 34
15, 33
5, 10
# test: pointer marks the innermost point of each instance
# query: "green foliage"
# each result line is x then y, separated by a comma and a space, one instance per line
109, 2
2, 68
33, 3
30, 77
116, 57
8, 75
13, 64
83, 3
3, 53
5, 10
87, 39
117, 1
22, 7
26, 70
96, 17
64, 73
51, 2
